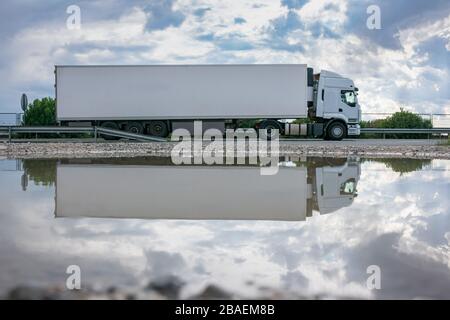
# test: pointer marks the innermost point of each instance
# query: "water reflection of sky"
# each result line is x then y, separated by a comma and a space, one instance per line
399, 221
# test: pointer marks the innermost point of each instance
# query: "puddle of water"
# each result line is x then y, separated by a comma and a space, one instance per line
313, 229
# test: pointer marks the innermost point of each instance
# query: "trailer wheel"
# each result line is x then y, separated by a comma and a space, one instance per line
336, 131
158, 129
135, 127
109, 125
270, 126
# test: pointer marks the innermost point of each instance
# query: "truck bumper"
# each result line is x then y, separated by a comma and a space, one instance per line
353, 130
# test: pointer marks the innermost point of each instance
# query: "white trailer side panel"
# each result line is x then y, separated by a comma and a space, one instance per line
181, 92
173, 192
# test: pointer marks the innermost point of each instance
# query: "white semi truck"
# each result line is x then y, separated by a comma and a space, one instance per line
157, 99
89, 188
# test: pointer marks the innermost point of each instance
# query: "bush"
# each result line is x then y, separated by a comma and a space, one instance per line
403, 165
41, 172
406, 119
40, 113
377, 123
401, 119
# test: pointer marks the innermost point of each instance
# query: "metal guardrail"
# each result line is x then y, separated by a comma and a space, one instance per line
128, 135
23, 129
384, 131
402, 130
10, 118
9, 130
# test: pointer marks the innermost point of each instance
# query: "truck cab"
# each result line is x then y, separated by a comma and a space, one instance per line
334, 187
336, 105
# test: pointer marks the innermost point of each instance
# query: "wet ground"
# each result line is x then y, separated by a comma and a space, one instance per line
144, 228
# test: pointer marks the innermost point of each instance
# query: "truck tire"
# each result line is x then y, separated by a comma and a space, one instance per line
109, 125
336, 131
270, 125
135, 127
158, 129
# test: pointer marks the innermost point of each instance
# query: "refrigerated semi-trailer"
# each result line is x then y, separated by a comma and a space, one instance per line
157, 99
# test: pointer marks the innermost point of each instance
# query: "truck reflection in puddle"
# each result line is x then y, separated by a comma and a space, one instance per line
153, 188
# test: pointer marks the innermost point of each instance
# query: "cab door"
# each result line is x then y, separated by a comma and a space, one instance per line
348, 105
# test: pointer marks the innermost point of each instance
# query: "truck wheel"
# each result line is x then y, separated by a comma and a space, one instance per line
158, 129
135, 127
109, 125
270, 126
336, 131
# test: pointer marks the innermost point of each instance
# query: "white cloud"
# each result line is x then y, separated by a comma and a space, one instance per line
332, 13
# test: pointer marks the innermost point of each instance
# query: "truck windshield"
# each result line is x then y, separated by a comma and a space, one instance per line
348, 187
348, 97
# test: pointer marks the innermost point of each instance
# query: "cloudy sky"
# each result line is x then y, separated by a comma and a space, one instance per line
403, 64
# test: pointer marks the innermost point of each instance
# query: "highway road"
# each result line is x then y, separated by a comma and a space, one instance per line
284, 141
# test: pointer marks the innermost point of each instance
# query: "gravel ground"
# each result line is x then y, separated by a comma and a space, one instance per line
382, 148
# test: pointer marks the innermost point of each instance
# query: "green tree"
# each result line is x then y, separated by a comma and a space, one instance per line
377, 123
42, 172
401, 119
42, 112
406, 119
403, 166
